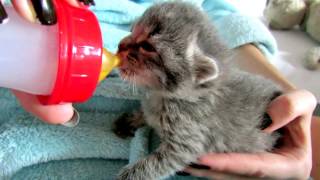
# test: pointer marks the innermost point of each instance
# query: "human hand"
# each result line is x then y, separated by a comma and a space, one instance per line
43, 10
315, 136
63, 114
293, 160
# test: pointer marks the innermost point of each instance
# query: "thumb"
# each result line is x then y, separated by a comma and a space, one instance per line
288, 107
258, 165
281, 111
42, 9
52, 114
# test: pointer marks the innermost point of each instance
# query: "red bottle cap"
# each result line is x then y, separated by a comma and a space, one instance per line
80, 54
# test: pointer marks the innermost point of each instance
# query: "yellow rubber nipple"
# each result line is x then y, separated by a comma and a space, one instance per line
109, 61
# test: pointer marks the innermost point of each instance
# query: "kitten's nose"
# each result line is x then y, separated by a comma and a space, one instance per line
124, 60
123, 51
124, 44
122, 47
123, 55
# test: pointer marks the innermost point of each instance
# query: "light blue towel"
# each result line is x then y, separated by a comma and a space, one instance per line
234, 28
30, 149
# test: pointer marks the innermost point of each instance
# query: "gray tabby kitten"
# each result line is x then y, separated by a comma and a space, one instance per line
196, 101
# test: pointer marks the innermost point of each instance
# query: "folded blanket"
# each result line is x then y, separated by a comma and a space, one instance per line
30, 149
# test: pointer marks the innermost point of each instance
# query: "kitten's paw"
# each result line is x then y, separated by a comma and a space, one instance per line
128, 173
125, 126
124, 175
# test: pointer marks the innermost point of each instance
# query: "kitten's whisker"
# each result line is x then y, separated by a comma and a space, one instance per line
133, 78
134, 85
125, 78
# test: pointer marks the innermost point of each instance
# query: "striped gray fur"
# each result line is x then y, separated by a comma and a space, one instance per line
196, 101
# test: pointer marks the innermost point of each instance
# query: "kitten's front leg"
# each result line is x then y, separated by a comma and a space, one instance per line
127, 124
165, 161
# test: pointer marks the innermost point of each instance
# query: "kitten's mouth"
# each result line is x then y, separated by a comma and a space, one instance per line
135, 72
125, 64
128, 70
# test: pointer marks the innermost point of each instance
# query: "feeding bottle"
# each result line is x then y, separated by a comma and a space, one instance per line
59, 63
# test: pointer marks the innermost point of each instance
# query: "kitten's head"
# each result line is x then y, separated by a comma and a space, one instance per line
171, 45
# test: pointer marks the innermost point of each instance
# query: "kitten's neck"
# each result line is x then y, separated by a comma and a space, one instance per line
186, 92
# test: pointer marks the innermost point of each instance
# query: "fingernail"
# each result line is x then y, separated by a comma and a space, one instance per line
266, 121
3, 14
45, 11
199, 166
74, 121
182, 173
88, 2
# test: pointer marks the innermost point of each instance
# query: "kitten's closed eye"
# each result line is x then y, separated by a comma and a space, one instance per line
132, 55
145, 45
156, 30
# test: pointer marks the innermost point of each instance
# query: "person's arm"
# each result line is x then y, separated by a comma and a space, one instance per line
52, 114
250, 59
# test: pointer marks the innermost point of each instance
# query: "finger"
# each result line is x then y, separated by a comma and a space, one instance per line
33, 9
299, 132
205, 173
3, 14
217, 175
258, 165
74, 3
25, 9
45, 11
88, 2
288, 107
52, 114
74, 121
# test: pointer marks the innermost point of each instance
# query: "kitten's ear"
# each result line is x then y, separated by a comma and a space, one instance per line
204, 68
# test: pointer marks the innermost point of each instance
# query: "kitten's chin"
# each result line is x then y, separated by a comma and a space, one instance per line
140, 78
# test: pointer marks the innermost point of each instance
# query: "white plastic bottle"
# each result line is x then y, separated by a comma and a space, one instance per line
60, 63
28, 55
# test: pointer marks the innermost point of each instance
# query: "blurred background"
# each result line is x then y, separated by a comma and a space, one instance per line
293, 46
